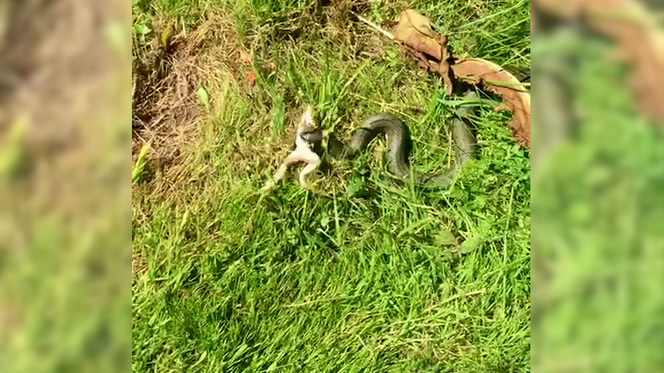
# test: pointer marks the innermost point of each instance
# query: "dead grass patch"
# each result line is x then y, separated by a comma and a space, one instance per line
163, 95
166, 76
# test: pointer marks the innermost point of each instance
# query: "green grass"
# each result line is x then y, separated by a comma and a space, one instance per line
370, 277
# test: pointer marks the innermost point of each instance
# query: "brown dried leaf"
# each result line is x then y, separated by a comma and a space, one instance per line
496, 79
430, 51
246, 58
251, 77
415, 32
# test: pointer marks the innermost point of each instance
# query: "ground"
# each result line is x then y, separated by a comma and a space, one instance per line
360, 277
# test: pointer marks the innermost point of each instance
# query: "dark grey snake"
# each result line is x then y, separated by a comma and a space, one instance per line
399, 145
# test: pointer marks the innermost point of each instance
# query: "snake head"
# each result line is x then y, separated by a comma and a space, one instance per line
313, 135
308, 130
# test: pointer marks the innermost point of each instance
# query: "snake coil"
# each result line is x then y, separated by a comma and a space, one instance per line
399, 144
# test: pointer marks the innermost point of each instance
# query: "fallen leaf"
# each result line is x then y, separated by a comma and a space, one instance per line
430, 51
251, 77
424, 44
249, 72
415, 31
203, 97
495, 79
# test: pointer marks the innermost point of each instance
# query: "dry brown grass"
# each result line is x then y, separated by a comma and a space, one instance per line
163, 93
166, 111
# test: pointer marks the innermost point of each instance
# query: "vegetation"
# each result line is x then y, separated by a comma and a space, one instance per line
364, 276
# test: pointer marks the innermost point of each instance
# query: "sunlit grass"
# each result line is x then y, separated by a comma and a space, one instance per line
367, 276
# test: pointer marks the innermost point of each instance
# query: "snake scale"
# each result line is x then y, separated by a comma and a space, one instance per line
399, 144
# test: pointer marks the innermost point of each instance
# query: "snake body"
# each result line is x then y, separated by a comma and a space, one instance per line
399, 145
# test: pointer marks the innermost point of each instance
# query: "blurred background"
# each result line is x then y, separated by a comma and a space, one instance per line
597, 186
597, 255
65, 192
